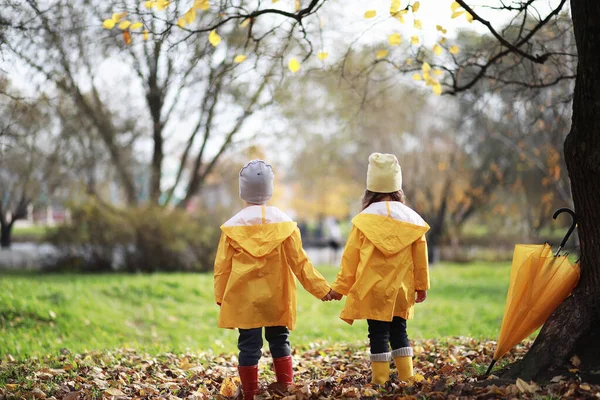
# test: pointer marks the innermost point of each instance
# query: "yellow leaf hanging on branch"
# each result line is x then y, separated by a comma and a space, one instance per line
469, 17
417, 77
124, 25
382, 54
457, 14
294, 65
437, 88
323, 55
214, 38
437, 49
181, 23
297, 5
162, 4
454, 49
454, 6
246, 22
239, 58
416, 6
150, 4
395, 39
426, 67
370, 14
118, 16
136, 25
394, 7
108, 23
414, 40
190, 16
418, 24
201, 5
146, 34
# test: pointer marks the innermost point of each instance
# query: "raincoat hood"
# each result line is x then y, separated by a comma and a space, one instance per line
259, 230
390, 226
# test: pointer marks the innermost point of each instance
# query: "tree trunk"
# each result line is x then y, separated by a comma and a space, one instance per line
574, 328
5, 235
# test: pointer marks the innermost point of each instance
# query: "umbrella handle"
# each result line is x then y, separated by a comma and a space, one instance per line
489, 370
571, 228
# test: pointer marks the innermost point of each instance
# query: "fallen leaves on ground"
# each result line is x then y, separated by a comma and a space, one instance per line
450, 369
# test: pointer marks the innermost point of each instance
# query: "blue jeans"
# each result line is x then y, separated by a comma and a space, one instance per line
384, 333
250, 344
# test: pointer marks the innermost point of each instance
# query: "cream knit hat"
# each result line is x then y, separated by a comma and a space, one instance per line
384, 174
256, 182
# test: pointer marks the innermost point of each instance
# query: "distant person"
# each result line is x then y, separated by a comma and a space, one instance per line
254, 285
334, 238
384, 268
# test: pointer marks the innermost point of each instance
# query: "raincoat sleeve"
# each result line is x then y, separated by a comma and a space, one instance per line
350, 259
420, 261
223, 263
301, 266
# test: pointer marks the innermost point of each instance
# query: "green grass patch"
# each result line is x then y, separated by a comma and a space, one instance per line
41, 314
32, 233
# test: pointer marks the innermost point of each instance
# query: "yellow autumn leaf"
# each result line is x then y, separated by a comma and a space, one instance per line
108, 23
162, 4
124, 25
118, 16
136, 25
146, 34
439, 28
418, 24
443, 41
399, 17
370, 14
395, 39
214, 38
415, 6
417, 77
239, 58
201, 5
114, 392
426, 67
323, 55
382, 54
427, 77
414, 40
394, 7
297, 5
454, 49
294, 65
454, 6
438, 72
181, 23
457, 14
190, 16
469, 17
228, 388
437, 49
437, 88
409, 61
150, 4
245, 22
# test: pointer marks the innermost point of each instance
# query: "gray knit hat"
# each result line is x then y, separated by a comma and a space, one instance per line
256, 182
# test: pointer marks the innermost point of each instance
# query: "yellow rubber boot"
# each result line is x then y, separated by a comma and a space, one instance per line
404, 364
380, 367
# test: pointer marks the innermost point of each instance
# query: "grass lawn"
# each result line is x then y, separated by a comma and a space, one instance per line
41, 314
32, 233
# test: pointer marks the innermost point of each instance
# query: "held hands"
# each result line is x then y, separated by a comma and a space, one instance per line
332, 295
421, 296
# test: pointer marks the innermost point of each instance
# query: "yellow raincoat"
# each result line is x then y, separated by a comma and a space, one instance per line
384, 262
259, 254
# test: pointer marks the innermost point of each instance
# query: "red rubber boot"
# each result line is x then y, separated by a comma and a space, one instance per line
249, 378
284, 370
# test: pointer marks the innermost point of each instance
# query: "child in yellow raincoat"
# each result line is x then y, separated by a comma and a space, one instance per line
384, 267
259, 255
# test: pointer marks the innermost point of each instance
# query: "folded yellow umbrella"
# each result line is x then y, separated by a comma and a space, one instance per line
539, 282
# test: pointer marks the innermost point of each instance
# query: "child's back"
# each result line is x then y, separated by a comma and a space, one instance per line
263, 247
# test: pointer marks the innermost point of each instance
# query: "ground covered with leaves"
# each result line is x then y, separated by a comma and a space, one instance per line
450, 368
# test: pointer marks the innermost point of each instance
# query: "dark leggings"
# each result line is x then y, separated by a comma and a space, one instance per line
384, 333
250, 344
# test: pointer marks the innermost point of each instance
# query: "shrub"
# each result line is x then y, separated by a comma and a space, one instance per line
101, 238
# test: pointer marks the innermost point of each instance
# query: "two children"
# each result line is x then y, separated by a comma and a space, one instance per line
384, 265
